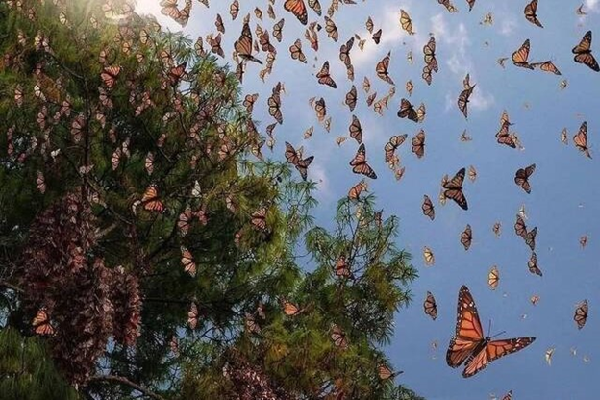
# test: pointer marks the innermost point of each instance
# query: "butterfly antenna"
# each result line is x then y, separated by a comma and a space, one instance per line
498, 334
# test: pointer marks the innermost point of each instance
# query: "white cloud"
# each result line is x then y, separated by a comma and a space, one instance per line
480, 100
507, 26
591, 5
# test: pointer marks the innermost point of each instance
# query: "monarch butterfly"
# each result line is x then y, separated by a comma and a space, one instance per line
341, 266
149, 163
377, 36
339, 338
151, 201
359, 164
386, 373
369, 25
219, 24
265, 43
508, 396
293, 157
534, 299
493, 277
40, 182
532, 264
390, 147
258, 12
331, 28
472, 173
183, 222
323, 76
271, 12
399, 173
41, 323
520, 227
192, 316
250, 324
504, 137
177, 73
296, 51
453, 189
531, 13
278, 30
430, 306
580, 140
274, 103
381, 104
522, 177
548, 355
471, 3
308, 133
429, 55
320, 109
563, 136
427, 74
407, 110
520, 56
298, 8
243, 46
370, 99
289, 308
546, 66
234, 9
463, 99
109, 75
428, 208
18, 95
355, 191
188, 261
382, 69
470, 347
428, 256
409, 87
355, 129
249, 101
497, 229
350, 98
583, 241
466, 237
366, 85
530, 238
581, 314
406, 22
215, 45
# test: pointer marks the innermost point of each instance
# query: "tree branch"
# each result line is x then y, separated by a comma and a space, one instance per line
10, 286
124, 381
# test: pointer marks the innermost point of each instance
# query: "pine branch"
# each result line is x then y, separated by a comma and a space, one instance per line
124, 381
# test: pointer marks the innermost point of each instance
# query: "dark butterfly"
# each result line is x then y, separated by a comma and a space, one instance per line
522, 177
580, 140
466, 237
430, 306
323, 76
293, 158
463, 99
390, 147
581, 314
428, 208
359, 164
377, 36
407, 111
351, 98
298, 8
355, 129
453, 189
532, 264
531, 13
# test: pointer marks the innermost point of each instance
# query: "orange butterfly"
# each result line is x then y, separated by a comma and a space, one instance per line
291, 155
355, 129
341, 266
243, 46
359, 164
453, 189
428, 208
407, 111
531, 13
323, 76
390, 147
546, 66
470, 347
520, 56
192, 316
382, 69
533, 265
298, 8
351, 98
466, 237
109, 75
583, 53
188, 261
580, 140
151, 201
430, 306
355, 191
41, 323
177, 73
522, 177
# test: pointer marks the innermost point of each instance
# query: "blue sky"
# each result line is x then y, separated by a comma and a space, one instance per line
565, 187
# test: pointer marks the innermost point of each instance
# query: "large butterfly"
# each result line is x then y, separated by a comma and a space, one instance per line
430, 306
331, 28
243, 46
298, 8
382, 69
583, 53
531, 13
355, 129
151, 200
390, 147
580, 140
470, 347
291, 155
504, 137
359, 164
522, 177
323, 76
109, 75
521, 55
296, 51
453, 189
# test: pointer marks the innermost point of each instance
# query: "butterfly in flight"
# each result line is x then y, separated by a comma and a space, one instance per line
359, 164
583, 53
453, 189
470, 347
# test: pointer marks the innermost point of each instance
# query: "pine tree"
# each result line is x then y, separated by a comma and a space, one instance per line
149, 245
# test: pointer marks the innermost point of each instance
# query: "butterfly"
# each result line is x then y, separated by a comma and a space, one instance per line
259, 219
176, 74
323, 76
522, 177
520, 227
215, 45
534, 299
41, 323
386, 373
583, 53
581, 314
531, 13
579, 10
278, 30
350, 98
274, 103
493, 277
428, 208
466, 237
382, 69
390, 147
406, 22
296, 51
470, 347
377, 36
292, 156
463, 99
508, 396
265, 43
192, 316
546, 66
532, 264
355, 129
243, 46
428, 256
427, 74
339, 338
298, 8
219, 24
320, 109
430, 306
504, 137
583, 241
40, 182
580, 140
359, 164
407, 110
453, 189
355, 191
109, 75
341, 266
464, 137
520, 56
369, 25
151, 201
345, 51
290, 308
188, 261
249, 101
234, 9
331, 28
418, 144
429, 54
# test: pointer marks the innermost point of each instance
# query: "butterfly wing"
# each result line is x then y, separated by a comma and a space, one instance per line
494, 350
430, 306
298, 8
469, 333
521, 55
531, 13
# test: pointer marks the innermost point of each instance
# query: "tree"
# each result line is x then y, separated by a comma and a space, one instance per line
145, 240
